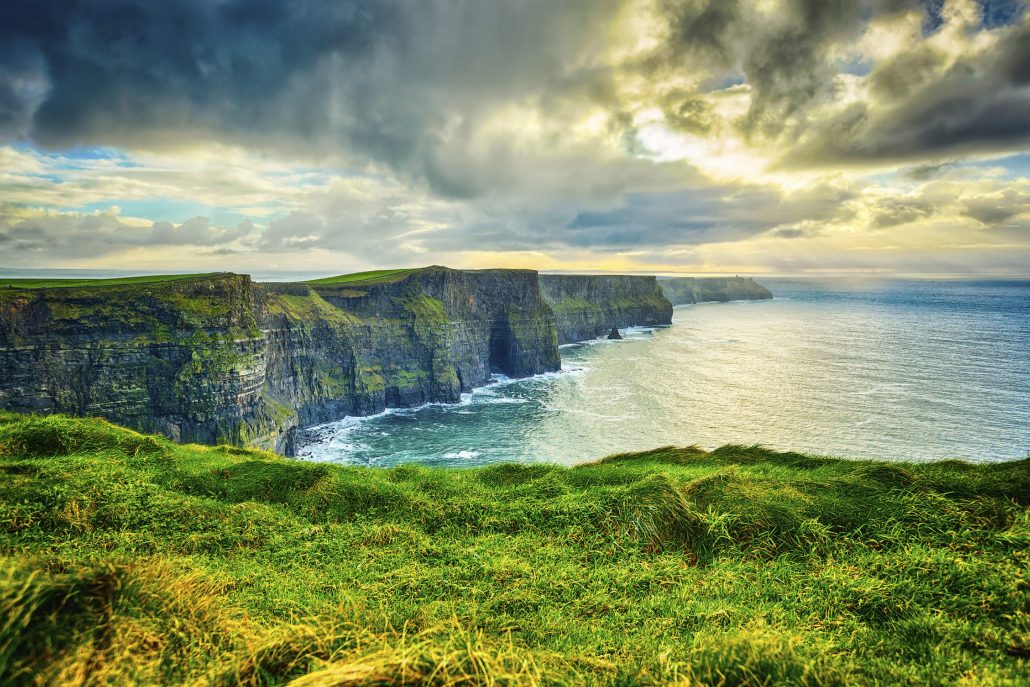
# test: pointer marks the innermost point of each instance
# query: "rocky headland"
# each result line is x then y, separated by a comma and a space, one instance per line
589, 306
687, 290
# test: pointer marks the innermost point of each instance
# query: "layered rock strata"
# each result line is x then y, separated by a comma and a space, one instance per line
219, 359
186, 358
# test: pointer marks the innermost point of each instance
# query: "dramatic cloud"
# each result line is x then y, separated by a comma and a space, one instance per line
23, 233
928, 104
404, 84
627, 134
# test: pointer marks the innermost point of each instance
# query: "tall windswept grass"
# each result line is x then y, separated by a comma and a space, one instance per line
127, 559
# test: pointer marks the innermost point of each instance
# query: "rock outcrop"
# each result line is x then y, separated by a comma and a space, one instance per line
589, 306
686, 290
359, 347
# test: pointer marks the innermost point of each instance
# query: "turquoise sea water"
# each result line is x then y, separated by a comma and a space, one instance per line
915, 370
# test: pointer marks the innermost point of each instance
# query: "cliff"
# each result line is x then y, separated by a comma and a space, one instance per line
588, 306
219, 359
685, 290
180, 356
216, 358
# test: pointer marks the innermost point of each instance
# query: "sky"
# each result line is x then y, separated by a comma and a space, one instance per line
661, 136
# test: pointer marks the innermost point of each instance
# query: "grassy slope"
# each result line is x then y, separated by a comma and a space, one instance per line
373, 275
377, 276
116, 281
129, 558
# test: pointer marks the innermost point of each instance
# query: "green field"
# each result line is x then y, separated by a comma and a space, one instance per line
129, 559
117, 281
370, 276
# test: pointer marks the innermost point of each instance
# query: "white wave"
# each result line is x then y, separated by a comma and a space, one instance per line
329, 451
462, 454
331, 441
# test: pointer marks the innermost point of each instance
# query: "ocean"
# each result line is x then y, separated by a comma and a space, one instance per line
892, 369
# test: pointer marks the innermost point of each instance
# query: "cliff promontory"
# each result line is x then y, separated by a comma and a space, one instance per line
686, 290
184, 356
346, 346
588, 306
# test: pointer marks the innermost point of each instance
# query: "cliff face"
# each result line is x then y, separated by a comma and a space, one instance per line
356, 348
185, 357
219, 359
685, 290
588, 306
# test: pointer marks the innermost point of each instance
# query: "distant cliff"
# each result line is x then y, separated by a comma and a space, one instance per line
587, 306
684, 290
401, 340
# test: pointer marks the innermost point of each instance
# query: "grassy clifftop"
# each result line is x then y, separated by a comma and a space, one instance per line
128, 558
371, 276
16, 284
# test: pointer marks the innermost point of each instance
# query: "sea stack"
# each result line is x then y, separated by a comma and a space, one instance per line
614, 333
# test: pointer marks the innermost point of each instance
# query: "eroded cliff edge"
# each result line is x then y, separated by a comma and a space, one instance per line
422, 336
185, 357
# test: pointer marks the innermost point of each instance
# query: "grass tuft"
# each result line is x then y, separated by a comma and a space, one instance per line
54, 435
654, 512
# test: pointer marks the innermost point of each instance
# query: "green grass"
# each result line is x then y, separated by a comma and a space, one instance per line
118, 281
309, 308
129, 559
378, 276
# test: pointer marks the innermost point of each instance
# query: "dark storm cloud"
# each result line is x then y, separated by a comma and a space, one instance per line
139, 69
674, 218
921, 104
788, 68
927, 171
997, 209
978, 104
396, 81
690, 216
786, 59
408, 84
640, 220
892, 212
